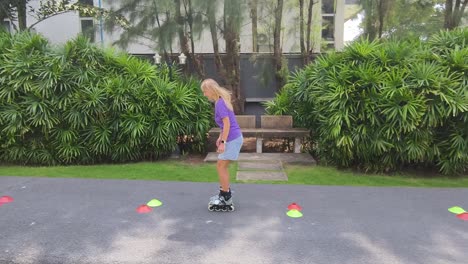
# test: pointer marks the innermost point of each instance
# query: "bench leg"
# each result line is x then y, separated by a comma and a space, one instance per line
297, 145
259, 145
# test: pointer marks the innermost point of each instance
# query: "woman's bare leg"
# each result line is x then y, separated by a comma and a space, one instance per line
223, 174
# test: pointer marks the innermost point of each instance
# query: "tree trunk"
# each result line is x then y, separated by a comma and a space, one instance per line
448, 17
211, 13
457, 13
461, 12
232, 38
198, 65
309, 48
454, 13
370, 27
183, 39
277, 41
4, 11
381, 18
253, 16
384, 9
183, 42
301, 31
21, 8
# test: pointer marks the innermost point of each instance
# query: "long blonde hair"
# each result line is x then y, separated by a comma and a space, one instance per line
218, 91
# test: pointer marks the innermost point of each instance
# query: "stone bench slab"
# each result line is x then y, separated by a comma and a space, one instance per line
267, 132
296, 158
264, 166
261, 175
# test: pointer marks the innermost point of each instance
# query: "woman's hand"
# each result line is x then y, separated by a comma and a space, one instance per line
221, 147
218, 141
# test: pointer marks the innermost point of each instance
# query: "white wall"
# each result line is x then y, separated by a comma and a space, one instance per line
57, 29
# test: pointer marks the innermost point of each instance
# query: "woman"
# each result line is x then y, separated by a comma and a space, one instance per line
228, 143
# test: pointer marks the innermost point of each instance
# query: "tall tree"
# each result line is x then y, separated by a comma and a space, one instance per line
454, 10
6, 9
14, 10
383, 9
253, 4
161, 23
405, 18
232, 24
375, 15
190, 15
301, 30
277, 49
418, 19
21, 9
183, 39
212, 22
304, 34
309, 27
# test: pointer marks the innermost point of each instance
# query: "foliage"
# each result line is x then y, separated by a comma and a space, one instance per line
159, 22
7, 8
79, 104
56, 7
384, 105
414, 18
17, 10
410, 18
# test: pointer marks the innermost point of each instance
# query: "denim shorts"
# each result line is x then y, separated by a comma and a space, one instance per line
232, 149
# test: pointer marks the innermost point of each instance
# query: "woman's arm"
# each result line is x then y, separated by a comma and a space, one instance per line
223, 135
226, 128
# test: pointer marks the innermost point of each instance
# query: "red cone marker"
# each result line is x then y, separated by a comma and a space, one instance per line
6, 199
463, 216
143, 209
294, 206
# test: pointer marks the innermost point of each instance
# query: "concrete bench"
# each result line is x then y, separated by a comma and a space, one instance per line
271, 127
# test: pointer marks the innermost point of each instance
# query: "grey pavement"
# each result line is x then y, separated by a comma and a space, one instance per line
54, 220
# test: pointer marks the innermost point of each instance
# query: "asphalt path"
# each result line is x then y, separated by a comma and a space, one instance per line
55, 220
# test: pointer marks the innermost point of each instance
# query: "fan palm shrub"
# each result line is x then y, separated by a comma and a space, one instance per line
80, 104
384, 105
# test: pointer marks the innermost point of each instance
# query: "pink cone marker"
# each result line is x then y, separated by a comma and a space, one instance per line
294, 206
143, 209
463, 216
6, 199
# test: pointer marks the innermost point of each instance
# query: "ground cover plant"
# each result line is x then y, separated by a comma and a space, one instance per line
193, 169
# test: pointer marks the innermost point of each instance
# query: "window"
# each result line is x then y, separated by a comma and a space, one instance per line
328, 6
87, 28
87, 22
328, 27
328, 24
86, 2
328, 47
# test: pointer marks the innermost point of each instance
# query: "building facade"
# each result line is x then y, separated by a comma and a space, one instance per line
327, 31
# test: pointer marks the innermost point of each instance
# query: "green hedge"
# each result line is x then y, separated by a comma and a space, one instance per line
381, 106
80, 104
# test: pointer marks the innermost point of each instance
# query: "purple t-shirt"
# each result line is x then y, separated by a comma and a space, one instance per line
221, 111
